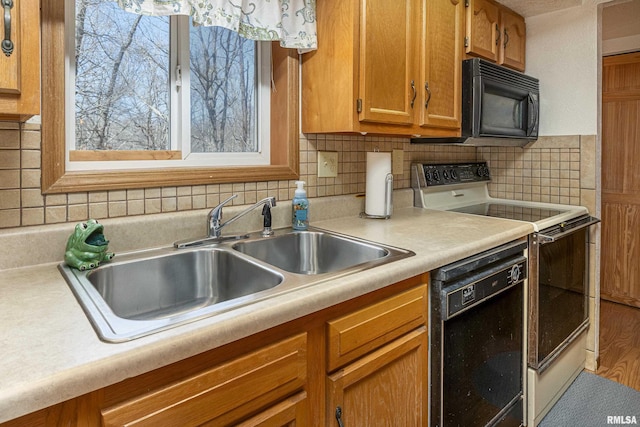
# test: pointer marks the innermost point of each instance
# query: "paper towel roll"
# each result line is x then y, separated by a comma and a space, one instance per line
378, 167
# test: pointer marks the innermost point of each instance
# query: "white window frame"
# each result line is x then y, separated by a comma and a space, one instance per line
180, 135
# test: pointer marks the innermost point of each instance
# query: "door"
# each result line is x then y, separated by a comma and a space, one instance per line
385, 388
483, 32
441, 84
20, 66
388, 84
513, 40
620, 245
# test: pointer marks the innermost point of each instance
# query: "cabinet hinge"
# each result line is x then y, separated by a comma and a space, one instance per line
359, 105
466, 42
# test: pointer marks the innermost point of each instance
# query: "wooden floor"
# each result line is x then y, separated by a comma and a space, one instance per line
620, 343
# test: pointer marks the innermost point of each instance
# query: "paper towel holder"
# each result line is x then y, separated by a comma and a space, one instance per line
388, 200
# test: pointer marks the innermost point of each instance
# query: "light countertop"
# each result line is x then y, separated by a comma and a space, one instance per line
50, 352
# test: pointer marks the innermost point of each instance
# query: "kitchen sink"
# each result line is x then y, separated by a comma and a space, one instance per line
313, 252
144, 292
150, 291
155, 288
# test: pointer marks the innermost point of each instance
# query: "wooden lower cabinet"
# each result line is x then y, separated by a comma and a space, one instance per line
222, 395
389, 387
367, 356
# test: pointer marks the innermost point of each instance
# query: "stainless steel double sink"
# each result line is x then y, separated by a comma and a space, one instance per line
143, 292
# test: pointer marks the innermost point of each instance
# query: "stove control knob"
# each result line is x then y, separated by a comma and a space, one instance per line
445, 174
515, 273
482, 171
427, 175
454, 174
436, 175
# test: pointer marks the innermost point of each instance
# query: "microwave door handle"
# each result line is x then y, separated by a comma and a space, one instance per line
533, 103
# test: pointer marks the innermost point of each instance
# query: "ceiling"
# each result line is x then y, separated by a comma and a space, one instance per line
621, 20
528, 8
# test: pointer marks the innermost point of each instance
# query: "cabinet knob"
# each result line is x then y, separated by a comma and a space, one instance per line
7, 44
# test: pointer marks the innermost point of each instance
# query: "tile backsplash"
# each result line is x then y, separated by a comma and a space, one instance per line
555, 169
559, 169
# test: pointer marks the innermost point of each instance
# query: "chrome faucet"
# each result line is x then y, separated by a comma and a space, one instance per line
215, 216
215, 224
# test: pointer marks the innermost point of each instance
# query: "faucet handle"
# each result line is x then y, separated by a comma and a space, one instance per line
216, 213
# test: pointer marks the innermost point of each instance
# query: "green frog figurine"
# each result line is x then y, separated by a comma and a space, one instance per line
87, 247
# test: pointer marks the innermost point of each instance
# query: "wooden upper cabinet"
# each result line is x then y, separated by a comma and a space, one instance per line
368, 73
20, 69
495, 33
387, 83
483, 29
441, 85
514, 38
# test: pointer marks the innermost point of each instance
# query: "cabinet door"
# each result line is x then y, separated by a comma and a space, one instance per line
386, 388
513, 44
442, 67
20, 70
483, 31
388, 61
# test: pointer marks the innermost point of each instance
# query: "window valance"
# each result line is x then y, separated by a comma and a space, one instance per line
292, 22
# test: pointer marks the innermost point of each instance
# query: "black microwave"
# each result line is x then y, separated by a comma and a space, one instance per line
499, 106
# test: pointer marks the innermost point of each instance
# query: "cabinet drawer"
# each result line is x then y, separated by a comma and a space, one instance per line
360, 332
223, 394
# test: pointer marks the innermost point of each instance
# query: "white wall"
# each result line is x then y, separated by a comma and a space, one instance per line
562, 51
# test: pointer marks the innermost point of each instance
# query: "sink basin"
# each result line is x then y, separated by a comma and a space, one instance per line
138, 295
314, 252
166, 286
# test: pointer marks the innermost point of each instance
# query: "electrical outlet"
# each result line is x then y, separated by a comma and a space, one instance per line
327, 164
397, 162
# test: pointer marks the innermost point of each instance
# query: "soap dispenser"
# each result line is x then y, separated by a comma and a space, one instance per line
300, 208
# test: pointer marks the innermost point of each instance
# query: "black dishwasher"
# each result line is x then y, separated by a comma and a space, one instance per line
477, 339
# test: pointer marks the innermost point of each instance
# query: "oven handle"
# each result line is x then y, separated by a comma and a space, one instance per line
543, 239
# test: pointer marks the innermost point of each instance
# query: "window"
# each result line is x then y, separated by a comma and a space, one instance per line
190, 95
144, 142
